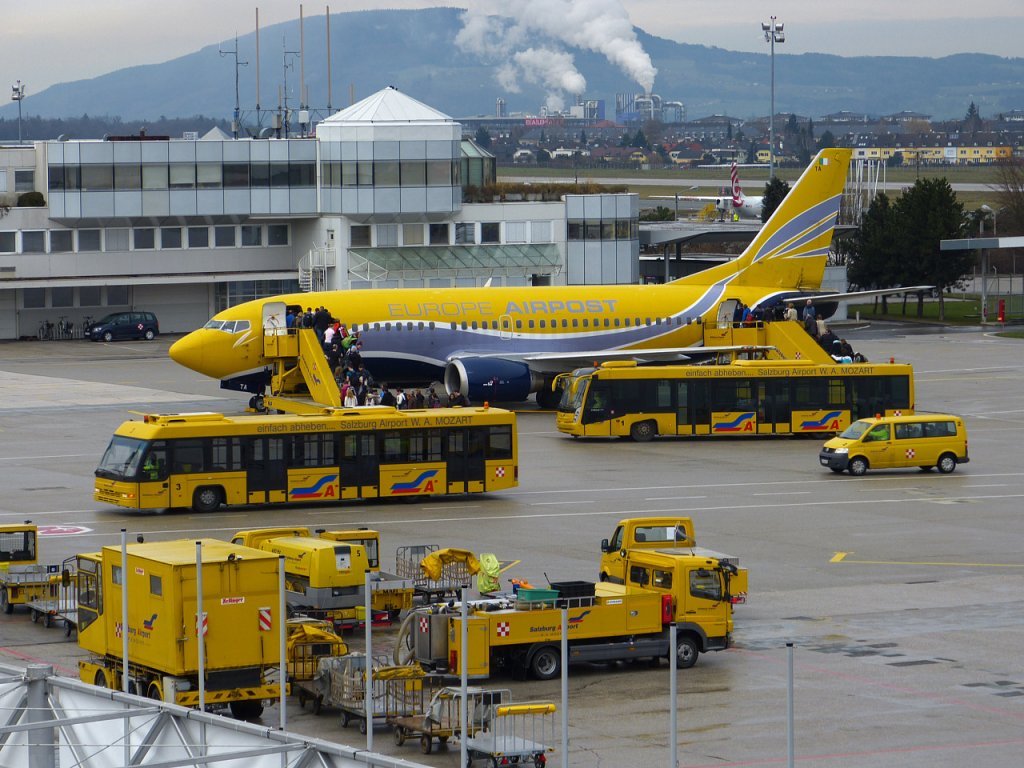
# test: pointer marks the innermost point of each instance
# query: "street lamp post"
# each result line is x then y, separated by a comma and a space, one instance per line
772, 34
17, 94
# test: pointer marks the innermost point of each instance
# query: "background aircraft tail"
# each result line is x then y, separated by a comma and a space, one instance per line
790, 251
737, 190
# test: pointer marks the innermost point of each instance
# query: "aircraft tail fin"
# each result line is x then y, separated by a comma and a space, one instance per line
790, 251
737, 190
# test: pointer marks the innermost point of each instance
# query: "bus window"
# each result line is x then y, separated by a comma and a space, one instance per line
154, 466
837, 392
499, 442
392, 450
188, 456
225, 454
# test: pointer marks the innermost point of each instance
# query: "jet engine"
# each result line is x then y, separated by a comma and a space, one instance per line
491, 379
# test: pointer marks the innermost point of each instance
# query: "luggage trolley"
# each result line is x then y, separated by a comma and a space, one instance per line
515, 734
439, 715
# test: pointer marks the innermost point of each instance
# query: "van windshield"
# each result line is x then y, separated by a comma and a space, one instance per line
855, 430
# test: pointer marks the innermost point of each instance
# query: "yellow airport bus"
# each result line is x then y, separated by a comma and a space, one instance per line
204, 460
742, 397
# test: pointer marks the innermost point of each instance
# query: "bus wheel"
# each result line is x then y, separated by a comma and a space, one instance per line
546, 663
206, 499
643, 431
686, 652
947, 463
858, 466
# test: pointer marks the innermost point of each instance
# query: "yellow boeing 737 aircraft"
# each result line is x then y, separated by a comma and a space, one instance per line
501, 344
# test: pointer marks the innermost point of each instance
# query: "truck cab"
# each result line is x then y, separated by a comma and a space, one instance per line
642, 533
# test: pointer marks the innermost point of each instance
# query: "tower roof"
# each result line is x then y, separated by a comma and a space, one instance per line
388, 106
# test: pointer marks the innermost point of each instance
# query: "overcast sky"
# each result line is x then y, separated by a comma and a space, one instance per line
52, 41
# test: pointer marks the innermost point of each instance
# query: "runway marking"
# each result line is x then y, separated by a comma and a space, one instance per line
671, 498
555, 503
785, 493
840, 557
36, 660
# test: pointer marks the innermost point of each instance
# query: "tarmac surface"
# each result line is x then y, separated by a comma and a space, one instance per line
901, 591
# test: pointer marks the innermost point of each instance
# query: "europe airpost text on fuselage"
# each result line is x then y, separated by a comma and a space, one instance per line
449, 309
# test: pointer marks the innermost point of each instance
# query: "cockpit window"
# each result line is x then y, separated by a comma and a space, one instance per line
228, 326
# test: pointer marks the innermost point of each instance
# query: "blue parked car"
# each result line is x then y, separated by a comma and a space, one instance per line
125, 325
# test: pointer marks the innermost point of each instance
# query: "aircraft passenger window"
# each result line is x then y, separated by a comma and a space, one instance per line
648, 321
543, 323
616, 322
473, 325
565, 323
657, 321
376, 326
626, 322
387, 326
530, 324
586, 323
453, 325
420, 326
464, 325
431, 325
519, 324
575, 323
607, 323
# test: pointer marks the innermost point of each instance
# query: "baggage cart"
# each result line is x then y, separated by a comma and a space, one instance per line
439, 712
343, 679
455, 576
58, 602
515, 734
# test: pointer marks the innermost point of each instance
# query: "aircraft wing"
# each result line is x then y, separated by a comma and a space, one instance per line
557, 362
857, 295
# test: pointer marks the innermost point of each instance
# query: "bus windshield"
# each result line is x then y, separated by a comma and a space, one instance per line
855, 430
573, 393
121, 459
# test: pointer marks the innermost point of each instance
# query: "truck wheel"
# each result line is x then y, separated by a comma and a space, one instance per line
858, 466
643, 431
100, 680
154, 691
947, 463
5, 602
546, 663
686, 652
246, 710
206, 499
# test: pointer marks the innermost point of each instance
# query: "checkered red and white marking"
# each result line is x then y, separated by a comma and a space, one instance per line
897, 413
503, 629
424, 625
117, 629
499, 472
910, 453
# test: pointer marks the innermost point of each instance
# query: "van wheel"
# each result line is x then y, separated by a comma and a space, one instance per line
108, 336
206, 499
947, 463
643, 431
150, 335
858, 466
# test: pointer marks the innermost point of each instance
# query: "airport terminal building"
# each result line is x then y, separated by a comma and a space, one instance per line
185, 228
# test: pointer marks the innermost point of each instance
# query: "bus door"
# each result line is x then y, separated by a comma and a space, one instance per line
699, 408
464, 455
359, 466
598, 408
154, 487
774, 410
267, 470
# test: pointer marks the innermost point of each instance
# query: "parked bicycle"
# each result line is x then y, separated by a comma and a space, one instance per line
45, 332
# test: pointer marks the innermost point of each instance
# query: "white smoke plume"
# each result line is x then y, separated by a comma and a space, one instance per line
505, 30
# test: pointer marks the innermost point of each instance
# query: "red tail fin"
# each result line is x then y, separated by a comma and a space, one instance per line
737, 191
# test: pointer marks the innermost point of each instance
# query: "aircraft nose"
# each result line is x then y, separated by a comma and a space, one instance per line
188, 351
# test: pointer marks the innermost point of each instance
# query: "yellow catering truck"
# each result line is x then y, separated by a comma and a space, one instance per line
240, 595
325, 575
606, 622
